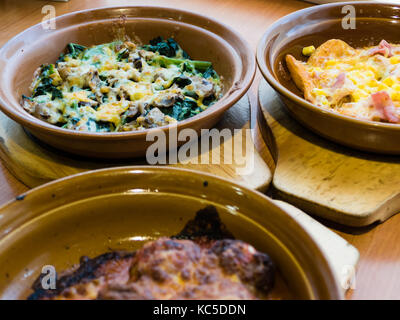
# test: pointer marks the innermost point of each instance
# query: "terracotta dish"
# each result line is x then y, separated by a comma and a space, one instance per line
312, 27
203, 38
120, 209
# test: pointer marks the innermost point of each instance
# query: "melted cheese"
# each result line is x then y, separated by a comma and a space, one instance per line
101, 89
365, 73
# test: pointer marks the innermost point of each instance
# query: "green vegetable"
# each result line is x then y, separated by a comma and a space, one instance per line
123, 54
182, 81
24, 97
192, 64
182, 109
168, 53
191, 94
75, 49
47, 70
210, 72
55, 93
46, 85
104, 126
93, 51
168, 48
208, 100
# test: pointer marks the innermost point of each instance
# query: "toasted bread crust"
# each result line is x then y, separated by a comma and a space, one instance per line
331, 49
300, 76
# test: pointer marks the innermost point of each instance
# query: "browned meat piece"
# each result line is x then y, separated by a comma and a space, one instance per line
170, 269
182, 269
85, 281
202, 268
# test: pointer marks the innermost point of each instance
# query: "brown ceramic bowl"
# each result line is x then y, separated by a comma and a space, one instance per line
313, 26
120, 208
203, 38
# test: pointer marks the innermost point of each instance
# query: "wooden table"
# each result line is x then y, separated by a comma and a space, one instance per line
378, 276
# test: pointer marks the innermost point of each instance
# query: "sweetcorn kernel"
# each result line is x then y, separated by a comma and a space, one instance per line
308, 51
394, 59
319, 92
388, 81
382, 87
395, 96
369, 74
376, 73
358, 95
396, 87
372, 83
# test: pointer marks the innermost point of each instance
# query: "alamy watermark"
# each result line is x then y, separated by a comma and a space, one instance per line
347, 277
349, 20
212, 146
49, 20
49, 277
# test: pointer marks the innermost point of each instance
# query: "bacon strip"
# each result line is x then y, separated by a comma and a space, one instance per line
384, 49
384, 106
339, 82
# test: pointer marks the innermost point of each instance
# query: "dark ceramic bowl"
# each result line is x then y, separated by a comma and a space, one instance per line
203, 38
314, 26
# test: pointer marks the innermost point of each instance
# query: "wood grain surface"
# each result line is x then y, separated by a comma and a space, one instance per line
334, 182
377, 275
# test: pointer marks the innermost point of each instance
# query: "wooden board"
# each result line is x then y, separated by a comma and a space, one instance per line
342, 256
34, 163
324, 178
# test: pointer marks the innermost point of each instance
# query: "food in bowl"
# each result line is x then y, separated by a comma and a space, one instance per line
203, 261
122, 86
362, 83
202, 37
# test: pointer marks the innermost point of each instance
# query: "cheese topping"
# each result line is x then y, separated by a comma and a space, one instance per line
120, 86
362, 83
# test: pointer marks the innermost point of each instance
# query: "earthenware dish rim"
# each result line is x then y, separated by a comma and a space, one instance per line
330, 277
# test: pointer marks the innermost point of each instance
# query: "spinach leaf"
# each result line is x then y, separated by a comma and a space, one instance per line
55, 93
182, 109
182, 81
104, 126
191, 94
75, 49
45, 86
208, 100
210, 72
168, 48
